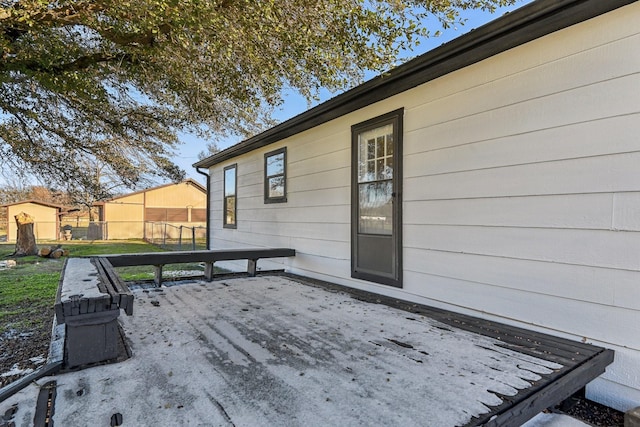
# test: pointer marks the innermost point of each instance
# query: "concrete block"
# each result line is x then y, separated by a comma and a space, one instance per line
92, 338
632, 417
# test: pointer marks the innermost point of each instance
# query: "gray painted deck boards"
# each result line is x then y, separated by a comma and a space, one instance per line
285, 350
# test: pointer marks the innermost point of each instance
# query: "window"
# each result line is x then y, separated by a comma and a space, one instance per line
275, 176
230, 187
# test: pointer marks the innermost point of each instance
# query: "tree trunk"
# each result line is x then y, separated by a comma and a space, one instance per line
26, 240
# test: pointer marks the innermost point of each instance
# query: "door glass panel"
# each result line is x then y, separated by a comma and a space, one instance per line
376, 208
371, 171
375, 185
374, 148
388, 168
371, 149
380, 169
380, 142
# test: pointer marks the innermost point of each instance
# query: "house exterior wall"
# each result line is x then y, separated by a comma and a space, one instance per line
46, 226
521, 193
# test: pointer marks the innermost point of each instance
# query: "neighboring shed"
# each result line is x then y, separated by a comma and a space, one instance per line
47, 218
497, 175
182, 204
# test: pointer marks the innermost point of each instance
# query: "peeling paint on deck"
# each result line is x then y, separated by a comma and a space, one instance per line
269, 351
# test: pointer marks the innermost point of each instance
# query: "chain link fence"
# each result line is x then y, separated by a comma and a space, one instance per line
177, 237
172, 236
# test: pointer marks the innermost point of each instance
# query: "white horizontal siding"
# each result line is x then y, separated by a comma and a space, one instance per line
613, 394
618, 288
590, 211
604, 323
331, 178
338, 232
521, 192
572, 141
554, 84
614, 30
596, 102
612, 249
601, 174
626, 211
329, 213
630, 360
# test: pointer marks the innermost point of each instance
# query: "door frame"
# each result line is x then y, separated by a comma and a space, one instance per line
396, 119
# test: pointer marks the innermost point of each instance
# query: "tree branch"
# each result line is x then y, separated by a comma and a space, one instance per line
81, 63
67, 15
77, 14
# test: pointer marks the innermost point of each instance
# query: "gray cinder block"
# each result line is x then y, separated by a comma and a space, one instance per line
632, 417
92, 338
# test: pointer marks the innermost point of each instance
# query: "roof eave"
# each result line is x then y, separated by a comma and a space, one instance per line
523, 25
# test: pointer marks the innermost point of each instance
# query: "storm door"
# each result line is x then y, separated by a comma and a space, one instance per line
376, 203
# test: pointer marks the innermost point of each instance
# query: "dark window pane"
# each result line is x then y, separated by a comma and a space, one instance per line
371, 149
380, 169
387, 173
230, 182
390, 144
380, 147
276, 186
275, 164
230, 214
275, 167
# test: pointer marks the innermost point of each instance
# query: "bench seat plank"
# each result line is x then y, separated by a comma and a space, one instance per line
121, 296
177, 257
209, 257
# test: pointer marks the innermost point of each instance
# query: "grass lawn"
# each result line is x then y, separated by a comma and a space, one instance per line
28, 289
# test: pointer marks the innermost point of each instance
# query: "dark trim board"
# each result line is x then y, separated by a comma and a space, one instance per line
177, 257
581, 362
209, 257
516, 28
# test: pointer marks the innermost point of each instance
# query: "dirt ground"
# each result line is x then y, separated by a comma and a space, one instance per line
592, 413
26, 350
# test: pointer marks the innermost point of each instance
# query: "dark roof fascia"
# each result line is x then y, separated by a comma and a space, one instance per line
189, 181
196, 184
523, 25
37, 202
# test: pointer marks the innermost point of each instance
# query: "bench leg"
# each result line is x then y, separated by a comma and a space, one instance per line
251, 267
158, 275
208, 271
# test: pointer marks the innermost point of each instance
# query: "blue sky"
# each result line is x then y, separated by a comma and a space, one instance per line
294, 104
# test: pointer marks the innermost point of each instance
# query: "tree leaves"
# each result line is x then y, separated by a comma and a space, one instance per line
115, 80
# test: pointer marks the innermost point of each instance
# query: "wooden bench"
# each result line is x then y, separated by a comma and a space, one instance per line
90, 287
112, 284
208, 257
91, 295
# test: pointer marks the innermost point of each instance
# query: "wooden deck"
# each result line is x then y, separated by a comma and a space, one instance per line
581, 362
280, 349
